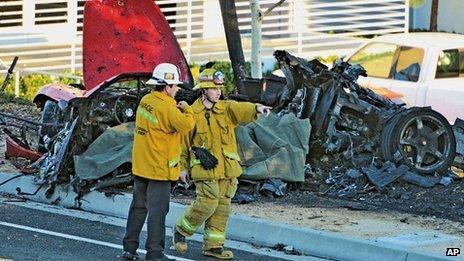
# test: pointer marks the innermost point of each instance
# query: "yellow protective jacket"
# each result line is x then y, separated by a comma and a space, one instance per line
159, 126
216, 133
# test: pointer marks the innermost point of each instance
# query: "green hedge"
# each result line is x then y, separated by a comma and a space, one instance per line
29, 85
9, 85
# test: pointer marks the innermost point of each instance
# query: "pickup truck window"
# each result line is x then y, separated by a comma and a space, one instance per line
461, 62
448, 64
376, 58
408, 64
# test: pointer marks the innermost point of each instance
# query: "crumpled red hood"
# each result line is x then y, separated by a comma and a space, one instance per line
125, 36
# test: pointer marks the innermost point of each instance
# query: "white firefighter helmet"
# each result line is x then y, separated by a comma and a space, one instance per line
165, 73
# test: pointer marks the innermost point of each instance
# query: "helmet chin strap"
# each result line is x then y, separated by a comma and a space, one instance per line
208, 99
213, 102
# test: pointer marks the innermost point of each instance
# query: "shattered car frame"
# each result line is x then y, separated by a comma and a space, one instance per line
345, 117
119, 55
357, 122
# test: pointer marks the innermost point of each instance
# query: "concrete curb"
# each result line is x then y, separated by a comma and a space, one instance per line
240, 228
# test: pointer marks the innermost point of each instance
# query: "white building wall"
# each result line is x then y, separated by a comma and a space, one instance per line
306, 28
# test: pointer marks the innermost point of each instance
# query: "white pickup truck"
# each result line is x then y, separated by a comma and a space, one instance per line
420, 69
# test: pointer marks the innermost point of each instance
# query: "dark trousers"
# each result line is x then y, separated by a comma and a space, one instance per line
150, 197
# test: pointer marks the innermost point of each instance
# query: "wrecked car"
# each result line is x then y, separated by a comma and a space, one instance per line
344, 117
114, 82
357, 122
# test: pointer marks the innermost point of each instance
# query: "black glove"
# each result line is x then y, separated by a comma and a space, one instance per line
207, 160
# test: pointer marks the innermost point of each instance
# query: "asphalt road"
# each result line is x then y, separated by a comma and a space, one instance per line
33, 234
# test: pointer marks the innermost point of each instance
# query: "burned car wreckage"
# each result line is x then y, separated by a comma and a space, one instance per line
347, 119
364, 133
118, 57
344, 117
356, 121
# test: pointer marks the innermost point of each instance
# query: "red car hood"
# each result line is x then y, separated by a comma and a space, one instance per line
125, 36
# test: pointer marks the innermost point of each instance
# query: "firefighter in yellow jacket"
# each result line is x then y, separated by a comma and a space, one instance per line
214, 131
156, 154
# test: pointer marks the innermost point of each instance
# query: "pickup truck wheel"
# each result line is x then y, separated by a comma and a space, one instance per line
49, 115
424, 140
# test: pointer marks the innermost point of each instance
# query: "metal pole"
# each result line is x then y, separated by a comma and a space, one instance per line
16, 84
73, 57
28, 16
234, 43
72, 22
406, 16
300, 22
189, 29
256, 68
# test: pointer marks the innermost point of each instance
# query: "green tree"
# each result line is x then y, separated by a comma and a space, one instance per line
416, 3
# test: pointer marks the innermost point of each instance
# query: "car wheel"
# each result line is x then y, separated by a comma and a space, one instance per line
422, 139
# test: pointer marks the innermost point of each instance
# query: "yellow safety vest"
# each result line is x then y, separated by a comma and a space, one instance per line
216, 133
159, 126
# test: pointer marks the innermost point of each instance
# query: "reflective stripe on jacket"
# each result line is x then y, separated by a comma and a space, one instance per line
157, 139
216, 133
